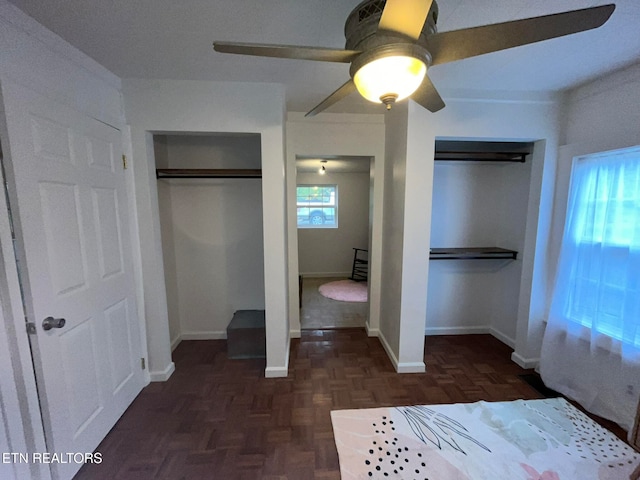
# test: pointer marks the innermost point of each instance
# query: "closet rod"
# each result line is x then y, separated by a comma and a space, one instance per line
482, 156
472, 253
208, 173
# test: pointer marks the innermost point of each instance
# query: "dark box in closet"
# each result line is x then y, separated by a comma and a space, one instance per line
246, 335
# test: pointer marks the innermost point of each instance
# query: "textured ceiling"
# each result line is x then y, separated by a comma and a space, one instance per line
166, 39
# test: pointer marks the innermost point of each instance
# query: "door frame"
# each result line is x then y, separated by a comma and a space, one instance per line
372, 320
333, 136
18, 391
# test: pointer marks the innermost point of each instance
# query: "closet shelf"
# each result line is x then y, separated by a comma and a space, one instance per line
481, 156
207, 173
471, 253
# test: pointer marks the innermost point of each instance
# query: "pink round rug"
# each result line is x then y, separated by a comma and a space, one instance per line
345, 291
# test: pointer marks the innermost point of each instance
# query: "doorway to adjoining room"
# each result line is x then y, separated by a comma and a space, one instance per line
332, 202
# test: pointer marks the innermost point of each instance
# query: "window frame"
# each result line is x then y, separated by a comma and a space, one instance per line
574, 311
334, 206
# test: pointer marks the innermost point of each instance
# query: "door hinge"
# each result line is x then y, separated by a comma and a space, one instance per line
143, 363
124, 162
31, 328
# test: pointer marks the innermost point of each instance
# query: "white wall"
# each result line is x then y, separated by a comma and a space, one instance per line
604, 112
495, 120
211, 234
32, 57
476, 205
512, 234
214, 151
200, 107
338, 135
328, 252
601, 115
218, 250
394, 174
161, 153
165, 210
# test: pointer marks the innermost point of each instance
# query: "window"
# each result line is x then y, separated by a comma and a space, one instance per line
317, 206
598, 283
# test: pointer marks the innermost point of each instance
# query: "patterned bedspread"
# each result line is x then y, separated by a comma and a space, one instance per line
520, 440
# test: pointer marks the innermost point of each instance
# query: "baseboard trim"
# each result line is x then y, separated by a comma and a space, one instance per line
325, 274
176, 342
279, 372
212, 335
197, 336
400, 367
295, 333
524, 362
163, 375
371, 332
503, 338
276, 372
411, 367
456, 330
387, 349
471, 331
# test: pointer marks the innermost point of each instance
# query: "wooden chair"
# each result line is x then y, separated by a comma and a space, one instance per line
360, 269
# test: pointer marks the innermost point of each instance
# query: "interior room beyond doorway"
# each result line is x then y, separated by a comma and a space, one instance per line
333, 219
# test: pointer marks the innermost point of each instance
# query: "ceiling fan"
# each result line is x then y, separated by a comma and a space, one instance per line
391, 43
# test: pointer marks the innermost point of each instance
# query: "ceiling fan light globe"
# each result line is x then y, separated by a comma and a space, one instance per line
397, 76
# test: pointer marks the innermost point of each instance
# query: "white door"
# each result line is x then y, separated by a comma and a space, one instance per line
72, 225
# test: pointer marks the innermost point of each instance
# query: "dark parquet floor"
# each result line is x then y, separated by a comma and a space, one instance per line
217, 418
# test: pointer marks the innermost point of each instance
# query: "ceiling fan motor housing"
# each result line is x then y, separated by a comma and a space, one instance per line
362, 33
390, 49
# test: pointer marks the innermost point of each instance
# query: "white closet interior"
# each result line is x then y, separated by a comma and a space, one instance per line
478, 201
211, 228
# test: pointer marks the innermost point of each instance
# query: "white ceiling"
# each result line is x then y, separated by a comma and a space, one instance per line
169, 39
342, 164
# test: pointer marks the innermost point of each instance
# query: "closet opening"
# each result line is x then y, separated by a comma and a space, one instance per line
333, 215
479, 220
211, 219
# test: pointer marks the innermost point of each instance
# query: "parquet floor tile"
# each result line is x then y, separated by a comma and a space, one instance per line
217, 418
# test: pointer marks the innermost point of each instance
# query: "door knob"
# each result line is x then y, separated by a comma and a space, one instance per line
50, 322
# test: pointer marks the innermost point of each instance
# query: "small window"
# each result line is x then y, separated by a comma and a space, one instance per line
317, 206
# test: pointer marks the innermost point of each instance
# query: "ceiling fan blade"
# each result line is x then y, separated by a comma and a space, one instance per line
287, 51
427, 96
458, 44
335, 97
405, 16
